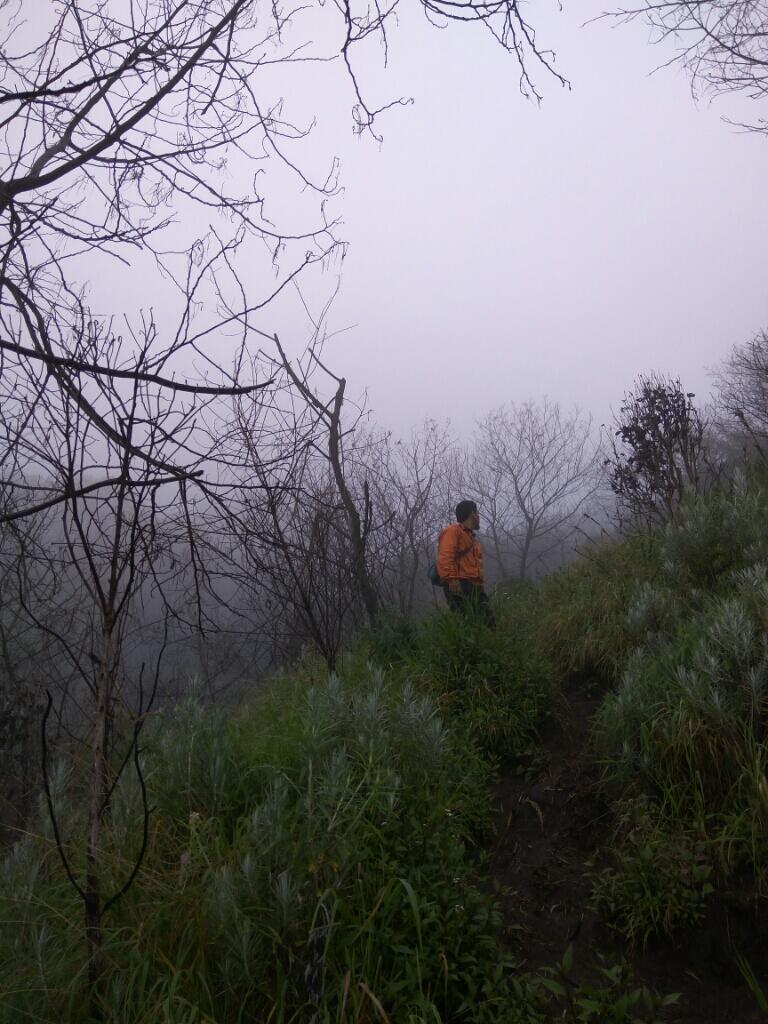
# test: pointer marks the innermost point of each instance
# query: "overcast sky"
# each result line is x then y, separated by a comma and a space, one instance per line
502, 251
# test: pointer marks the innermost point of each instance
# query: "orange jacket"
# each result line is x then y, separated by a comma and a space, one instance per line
459, 555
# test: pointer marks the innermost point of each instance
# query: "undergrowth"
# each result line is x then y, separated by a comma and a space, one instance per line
683, 735
309, 859
582, 625
497, 683
317, 856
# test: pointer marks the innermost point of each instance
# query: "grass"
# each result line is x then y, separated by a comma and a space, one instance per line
661, 880
310, 859
683, 734
582, 626
496, 683
317, 856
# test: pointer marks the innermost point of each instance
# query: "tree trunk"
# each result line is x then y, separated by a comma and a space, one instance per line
97, 791
357, 536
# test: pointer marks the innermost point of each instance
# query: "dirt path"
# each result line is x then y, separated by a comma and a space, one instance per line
549, 823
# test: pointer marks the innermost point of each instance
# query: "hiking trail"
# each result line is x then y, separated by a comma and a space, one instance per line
549, 822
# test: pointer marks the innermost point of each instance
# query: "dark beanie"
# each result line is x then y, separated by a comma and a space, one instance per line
465, 509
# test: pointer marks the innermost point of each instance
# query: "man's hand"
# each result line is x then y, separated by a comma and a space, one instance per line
454, 587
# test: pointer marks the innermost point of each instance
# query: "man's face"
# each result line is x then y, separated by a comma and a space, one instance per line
472, 522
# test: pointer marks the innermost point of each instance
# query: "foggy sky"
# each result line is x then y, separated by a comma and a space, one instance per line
500, 250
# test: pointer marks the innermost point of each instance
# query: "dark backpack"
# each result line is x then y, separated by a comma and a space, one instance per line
433, 575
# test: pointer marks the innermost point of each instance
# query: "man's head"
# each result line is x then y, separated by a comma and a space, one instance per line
467, 514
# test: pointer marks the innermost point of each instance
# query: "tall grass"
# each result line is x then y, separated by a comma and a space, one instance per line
582, 626
497, 683
315, 857
309, 861
686, 730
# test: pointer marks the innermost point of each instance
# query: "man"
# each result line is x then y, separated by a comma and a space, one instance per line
460, 564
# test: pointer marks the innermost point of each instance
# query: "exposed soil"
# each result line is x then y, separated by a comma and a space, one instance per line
551, 821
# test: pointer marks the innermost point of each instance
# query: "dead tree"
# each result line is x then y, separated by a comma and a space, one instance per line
742, 384
92, 452
289, 548
298, 556
534, 469
405, 479
333, 437
118, 121
721, 43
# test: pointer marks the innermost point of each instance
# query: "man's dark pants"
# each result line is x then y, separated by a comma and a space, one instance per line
471, 599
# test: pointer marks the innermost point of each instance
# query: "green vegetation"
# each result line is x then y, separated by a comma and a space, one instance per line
309, 859
498, 683
583, 625
672, 622
317, 856
685, 730
662, 879
612, 998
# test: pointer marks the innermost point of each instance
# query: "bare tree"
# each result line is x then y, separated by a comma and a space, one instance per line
129, 134
742, 383
406, 480
534, 469
334, 436
122, 524
113, 111
721, 43
123, 119
297, 557
293, 557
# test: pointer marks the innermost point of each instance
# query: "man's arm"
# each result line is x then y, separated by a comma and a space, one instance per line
447, 562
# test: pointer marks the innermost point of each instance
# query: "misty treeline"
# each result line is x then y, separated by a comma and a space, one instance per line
181, 495
309, 525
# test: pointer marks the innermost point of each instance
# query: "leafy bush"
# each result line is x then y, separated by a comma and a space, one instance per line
594, 613
612, 998
712, 538
661, 880
691, 711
